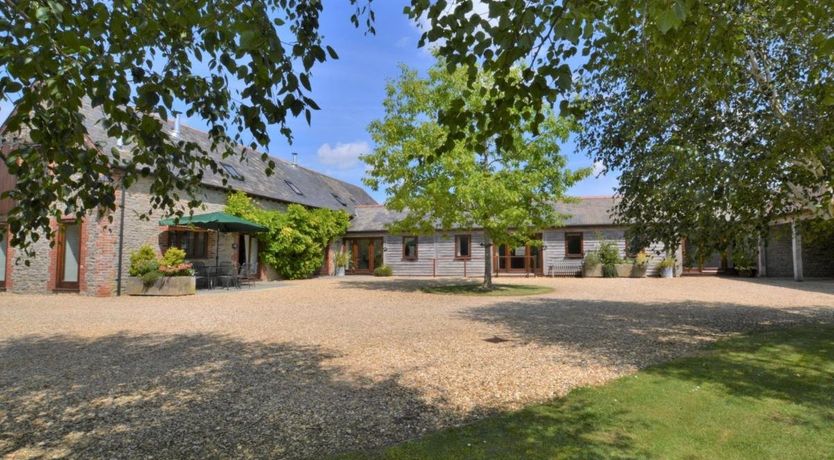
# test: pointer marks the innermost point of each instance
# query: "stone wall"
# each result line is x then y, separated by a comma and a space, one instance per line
100, 244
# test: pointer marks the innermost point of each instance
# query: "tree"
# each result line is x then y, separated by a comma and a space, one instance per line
746, 86
508, 193
239, 66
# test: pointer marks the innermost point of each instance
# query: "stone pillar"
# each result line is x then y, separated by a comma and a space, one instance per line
762, 269
796, 246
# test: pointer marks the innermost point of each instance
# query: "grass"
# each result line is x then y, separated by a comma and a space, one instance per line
499, 290
764, 395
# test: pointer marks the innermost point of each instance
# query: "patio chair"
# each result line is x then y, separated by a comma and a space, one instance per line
201, 275
243, 278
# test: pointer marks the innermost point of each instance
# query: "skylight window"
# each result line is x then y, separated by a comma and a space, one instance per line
231, 171
294, 188
339, 199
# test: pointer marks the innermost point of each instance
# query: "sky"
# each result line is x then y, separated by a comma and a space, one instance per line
350, 92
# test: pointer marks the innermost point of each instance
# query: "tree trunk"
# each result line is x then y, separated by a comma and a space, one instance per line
487, 262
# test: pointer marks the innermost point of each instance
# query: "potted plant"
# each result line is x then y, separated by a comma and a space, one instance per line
169, 275
612, 263
667, 267
641, 263
591, 267
342, 260
383, 270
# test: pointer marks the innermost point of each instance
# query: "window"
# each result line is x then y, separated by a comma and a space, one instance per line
231, 171
573, 245
195, 244
463, 246
339, 199
293, 187
409, 248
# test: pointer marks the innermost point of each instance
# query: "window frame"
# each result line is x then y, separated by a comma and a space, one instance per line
190, 252
581, 254
231, 171
294, 187
457, 246
416, 248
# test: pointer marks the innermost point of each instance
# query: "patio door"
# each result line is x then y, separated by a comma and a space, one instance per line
248, 252
69, 256
521, 259
366, 255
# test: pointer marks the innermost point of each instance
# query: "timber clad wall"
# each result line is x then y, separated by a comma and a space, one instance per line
436, 254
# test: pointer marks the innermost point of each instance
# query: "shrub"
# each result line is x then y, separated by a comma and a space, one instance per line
383, 270
295, 240
591, 259
667, 262
342, 259
609, 271
641, 259
609, 253
140, 261
173, 263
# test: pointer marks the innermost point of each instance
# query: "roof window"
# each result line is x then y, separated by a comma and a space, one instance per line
294, 188
339, 199
231, 171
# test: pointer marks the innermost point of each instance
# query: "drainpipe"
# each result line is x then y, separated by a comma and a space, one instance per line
121, 240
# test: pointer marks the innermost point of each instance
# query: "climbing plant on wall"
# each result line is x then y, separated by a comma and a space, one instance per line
296, 240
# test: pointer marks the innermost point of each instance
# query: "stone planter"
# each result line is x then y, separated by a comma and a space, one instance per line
638, 271
165, 286
592, 272
340, 271
667, 272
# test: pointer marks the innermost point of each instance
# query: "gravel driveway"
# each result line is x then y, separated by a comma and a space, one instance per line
324, 366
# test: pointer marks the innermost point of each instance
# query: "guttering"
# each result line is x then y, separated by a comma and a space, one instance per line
121, 240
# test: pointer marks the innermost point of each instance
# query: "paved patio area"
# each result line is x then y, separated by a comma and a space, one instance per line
329, 365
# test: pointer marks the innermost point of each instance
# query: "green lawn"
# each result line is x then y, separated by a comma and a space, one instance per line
765, 395
499, 290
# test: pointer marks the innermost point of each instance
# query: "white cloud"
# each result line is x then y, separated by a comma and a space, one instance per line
598, 168
342, 156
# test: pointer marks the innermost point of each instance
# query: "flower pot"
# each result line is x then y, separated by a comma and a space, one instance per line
592, 272
340, 271
667, 272
165, 286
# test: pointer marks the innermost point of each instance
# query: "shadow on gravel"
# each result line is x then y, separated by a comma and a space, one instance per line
191, 396
821, 286
626, 334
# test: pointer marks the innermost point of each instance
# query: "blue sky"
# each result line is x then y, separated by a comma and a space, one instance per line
350, 92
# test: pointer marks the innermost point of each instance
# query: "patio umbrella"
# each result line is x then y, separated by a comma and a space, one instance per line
217, 221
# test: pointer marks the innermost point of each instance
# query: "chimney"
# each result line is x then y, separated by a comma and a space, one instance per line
295, 159
177, 126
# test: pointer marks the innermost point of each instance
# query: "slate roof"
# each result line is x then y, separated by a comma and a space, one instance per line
588, 211
318, 189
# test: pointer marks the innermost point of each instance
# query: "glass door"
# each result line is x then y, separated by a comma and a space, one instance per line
4, 253
69, 256
366, 254
522, 259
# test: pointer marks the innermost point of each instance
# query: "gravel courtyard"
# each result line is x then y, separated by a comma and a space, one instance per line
330, 365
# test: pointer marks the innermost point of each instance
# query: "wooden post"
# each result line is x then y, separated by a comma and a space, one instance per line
796, 245
464, 268
762, 272
434, 268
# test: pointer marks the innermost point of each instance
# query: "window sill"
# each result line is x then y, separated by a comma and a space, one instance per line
66, 290
463, 258
409, 259
575, 257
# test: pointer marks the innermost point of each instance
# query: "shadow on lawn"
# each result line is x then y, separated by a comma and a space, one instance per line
625, 334
192, 396
406, 285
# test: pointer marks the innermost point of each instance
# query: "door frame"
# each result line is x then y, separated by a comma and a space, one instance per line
61, 247
353, 244
528, 266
